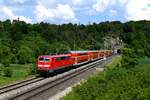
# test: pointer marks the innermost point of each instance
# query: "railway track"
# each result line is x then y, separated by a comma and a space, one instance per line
19, 84
31, 88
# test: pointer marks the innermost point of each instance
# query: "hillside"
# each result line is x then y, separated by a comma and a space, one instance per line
22, 43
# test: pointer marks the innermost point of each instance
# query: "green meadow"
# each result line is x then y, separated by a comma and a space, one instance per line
19, 72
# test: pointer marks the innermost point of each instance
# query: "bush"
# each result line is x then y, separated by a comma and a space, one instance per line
1, 70
129, 58
25, 55
6, 62
8, 72
32, 70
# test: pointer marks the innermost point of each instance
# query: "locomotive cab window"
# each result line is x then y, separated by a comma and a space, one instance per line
44, 59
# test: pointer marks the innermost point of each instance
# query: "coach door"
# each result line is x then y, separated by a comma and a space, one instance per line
66, 60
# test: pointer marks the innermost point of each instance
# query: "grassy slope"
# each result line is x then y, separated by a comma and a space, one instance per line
116, 84
20, 72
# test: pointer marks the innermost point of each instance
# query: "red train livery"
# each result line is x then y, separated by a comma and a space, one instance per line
51, 63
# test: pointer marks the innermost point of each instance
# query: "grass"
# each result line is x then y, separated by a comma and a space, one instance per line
114, 62
144, 62
20, 72
116, 83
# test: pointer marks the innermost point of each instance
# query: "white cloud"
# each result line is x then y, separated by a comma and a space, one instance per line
100, 5
123, 1
113, 12
9, 13
23, 18
77, 2
19, 1
43, 13
138, 10
63, 12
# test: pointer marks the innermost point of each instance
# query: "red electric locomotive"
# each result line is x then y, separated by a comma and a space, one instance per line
48, 63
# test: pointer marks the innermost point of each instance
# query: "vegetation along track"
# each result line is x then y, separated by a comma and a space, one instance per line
38, 87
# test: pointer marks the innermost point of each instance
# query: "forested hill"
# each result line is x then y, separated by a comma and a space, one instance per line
22, 43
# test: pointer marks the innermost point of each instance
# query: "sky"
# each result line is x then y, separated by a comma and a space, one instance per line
74, 11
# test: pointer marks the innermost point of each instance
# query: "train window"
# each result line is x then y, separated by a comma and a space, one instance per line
44, 59
41, 59
58, 58
62, 58
65, 58
82, 54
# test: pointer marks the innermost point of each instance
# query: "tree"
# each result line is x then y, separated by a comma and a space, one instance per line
25, 55
129, 58
45, 38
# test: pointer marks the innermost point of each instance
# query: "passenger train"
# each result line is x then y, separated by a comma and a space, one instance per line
51, 63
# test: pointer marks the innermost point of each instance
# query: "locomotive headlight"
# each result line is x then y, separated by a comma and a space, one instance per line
39, 65
46, 65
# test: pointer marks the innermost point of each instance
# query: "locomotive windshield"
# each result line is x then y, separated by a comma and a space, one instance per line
62, 58
44, 59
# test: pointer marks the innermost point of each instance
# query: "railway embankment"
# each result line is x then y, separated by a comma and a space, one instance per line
115, 82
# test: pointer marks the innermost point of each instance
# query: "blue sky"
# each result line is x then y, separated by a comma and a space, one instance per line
75, 11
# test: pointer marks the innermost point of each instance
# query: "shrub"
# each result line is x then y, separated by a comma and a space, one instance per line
25, 55
6, 62
32, 70
129, 58
1, 70
8, 72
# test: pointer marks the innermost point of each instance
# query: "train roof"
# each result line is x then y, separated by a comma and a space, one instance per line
59, 55
82, 51
72, 52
